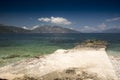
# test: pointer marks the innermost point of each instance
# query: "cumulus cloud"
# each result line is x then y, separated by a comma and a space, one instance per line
56, 20
60, 20
113, 19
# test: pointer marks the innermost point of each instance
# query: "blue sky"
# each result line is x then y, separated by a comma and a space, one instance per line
83, 15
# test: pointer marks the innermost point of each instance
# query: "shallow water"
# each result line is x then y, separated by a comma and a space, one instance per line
37, 43
17, 46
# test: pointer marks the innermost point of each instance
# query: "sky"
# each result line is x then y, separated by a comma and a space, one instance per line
82, 15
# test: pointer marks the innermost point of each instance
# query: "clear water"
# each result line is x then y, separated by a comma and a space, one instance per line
30, 45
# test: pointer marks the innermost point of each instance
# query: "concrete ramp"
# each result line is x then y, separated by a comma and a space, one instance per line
75, 64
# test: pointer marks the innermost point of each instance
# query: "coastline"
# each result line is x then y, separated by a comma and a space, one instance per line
92, 62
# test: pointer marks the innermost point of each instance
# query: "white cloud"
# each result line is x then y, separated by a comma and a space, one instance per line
60, 20
36, 26
56, 20
24, 27
118, 27
102, 26
99, 28
88, 29
44, 19
113, 19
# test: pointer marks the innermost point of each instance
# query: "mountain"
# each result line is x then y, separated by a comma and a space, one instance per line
112, 30
11, 29
38, 29
53, 29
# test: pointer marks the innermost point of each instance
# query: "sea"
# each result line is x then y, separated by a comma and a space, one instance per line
16, 46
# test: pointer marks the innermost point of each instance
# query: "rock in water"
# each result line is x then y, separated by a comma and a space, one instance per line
72, 64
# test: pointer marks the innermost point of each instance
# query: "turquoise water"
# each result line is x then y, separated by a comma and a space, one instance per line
16, 46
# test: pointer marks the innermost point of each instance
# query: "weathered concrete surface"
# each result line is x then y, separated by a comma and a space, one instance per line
116, 64
89, 61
